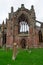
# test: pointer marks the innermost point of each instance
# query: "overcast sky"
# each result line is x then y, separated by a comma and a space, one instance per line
5, 6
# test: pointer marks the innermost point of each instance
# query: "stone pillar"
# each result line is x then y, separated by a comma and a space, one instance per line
30, 36
14, 51
11, 9
35, 39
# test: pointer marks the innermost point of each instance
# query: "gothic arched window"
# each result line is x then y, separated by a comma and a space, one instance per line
24, 27
23, 24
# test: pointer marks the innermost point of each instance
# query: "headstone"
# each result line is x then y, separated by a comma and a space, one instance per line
14, 51
27, 47
30, 51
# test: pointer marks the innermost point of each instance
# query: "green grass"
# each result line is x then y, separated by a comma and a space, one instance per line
23, 57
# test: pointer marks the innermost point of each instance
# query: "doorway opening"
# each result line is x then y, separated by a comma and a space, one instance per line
23, 43
3, 38
40, 36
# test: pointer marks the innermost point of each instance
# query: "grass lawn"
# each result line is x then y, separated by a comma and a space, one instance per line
24, 57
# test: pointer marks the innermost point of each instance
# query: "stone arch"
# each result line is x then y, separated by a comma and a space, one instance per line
23, 43
26, 16
3, 38
23, 17
40, 35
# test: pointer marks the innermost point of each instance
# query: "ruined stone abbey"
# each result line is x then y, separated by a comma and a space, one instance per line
21, 28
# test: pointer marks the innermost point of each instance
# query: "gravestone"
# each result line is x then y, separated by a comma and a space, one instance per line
14, 51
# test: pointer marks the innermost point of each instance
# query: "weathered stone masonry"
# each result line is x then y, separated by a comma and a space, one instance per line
12, 32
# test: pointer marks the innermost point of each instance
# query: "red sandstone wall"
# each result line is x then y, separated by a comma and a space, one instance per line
1, 41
